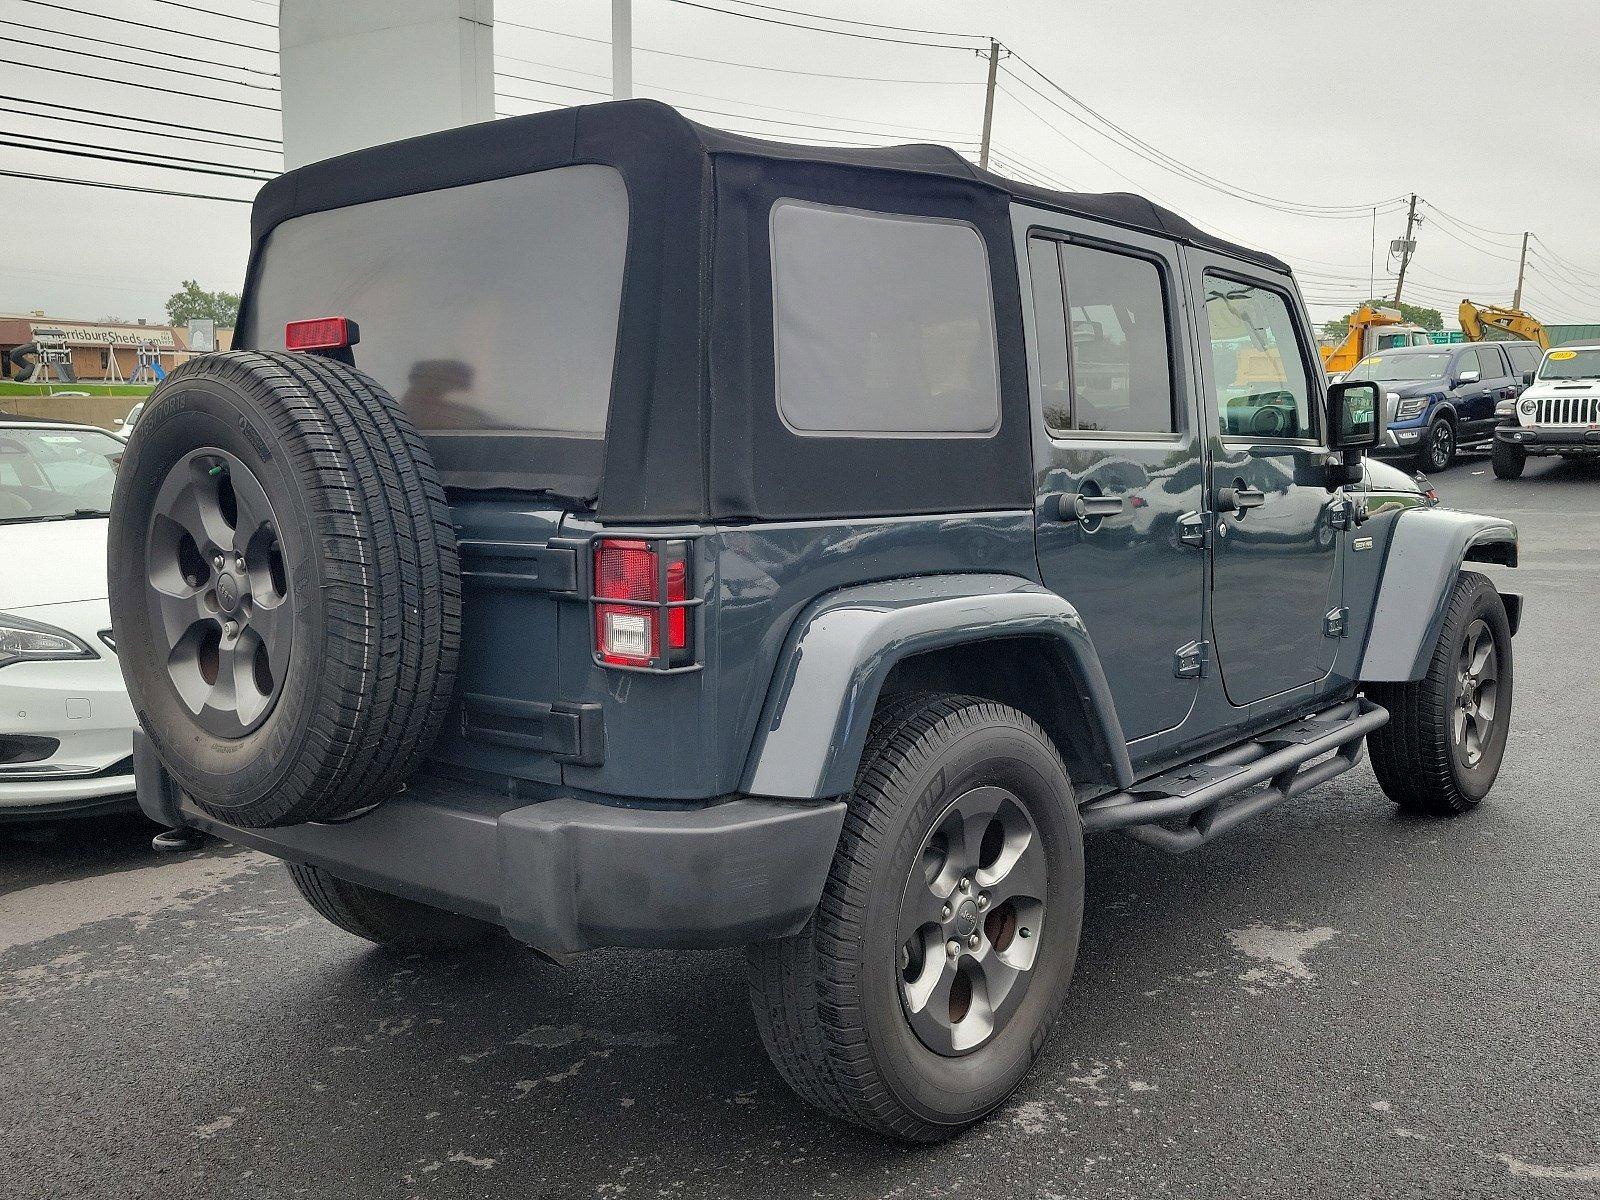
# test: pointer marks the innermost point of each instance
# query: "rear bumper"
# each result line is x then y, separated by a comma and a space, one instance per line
563, 874
1537, 440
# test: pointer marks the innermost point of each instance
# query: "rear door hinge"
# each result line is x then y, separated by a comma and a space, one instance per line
1190, 660
1337, 623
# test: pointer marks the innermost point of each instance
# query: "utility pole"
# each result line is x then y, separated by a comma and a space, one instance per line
621, 49
1406, 248
1522, 266
988, 103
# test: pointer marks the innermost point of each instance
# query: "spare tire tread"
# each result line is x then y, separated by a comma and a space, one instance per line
406, 535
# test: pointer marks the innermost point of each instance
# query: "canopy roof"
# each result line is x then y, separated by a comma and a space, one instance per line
693, 431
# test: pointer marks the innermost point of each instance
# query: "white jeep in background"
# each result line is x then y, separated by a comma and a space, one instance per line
1558, 413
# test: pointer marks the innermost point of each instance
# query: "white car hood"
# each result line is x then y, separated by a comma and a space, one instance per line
1578, 387
52, 562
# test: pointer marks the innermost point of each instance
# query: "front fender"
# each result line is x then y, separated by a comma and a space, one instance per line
842, 648
1426, 552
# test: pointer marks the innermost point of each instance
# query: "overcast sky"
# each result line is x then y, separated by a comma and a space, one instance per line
1486, 110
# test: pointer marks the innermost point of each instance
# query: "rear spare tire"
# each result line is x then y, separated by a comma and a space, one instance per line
284, 587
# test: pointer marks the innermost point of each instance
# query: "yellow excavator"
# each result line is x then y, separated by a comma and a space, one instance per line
1488, 323
1371, 329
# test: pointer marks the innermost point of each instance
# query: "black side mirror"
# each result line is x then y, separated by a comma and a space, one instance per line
1527, 379
1355, 416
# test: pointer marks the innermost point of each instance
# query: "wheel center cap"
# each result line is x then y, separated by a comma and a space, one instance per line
227, 593
966, 921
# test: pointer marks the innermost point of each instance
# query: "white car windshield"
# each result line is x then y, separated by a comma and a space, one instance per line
1571, 364
53, 474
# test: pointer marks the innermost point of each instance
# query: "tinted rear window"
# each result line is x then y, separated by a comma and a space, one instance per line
486, 307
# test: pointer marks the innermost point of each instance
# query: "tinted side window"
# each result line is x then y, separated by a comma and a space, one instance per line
882, 324
1493, 365
1258, 371
1120, 344
1050, 319
1524, 358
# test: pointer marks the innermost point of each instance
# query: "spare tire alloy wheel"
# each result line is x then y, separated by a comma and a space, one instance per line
970, 920
219, 591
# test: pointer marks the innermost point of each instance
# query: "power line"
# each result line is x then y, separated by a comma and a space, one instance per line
98, 112
1136, 145
1469, 225
83, 37
912, 131
211, 12
120, 187
715, 112
149, 87
198, 162
125, 162
179, 71
852, 21
727, 62
1545, 246
177, 137
185, 34
870, 37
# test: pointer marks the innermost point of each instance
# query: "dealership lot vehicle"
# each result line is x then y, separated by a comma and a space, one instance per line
1443, 399
812, 577
66, 728
125, 424
1558, 413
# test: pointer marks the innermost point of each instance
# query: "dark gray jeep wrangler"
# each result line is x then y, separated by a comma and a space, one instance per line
623, 533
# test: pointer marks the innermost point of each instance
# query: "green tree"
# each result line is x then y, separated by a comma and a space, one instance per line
1430, 319
194, 303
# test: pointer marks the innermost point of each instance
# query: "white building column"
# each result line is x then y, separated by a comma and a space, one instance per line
361, 72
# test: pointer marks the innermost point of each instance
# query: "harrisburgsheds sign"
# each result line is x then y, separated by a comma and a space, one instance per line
106, 335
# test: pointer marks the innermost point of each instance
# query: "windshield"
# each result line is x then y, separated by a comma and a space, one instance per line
54, 474
1399, 368
1571, 364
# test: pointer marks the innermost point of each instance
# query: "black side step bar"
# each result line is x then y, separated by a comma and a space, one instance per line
1209, 792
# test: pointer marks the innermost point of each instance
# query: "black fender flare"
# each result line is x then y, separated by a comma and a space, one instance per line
1426, 551
833, 665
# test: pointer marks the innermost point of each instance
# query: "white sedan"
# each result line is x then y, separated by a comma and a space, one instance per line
66, 727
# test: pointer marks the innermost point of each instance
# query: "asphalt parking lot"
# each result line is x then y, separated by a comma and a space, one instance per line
1333, 1001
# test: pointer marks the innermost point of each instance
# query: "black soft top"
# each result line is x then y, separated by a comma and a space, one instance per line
693, 431
512, 145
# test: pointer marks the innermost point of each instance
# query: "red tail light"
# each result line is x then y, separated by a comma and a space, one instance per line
641, 593
322, 333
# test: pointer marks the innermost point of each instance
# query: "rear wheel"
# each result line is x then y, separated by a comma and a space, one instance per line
385, 919
1508, 460
1441, 750
1438, 449
922, 990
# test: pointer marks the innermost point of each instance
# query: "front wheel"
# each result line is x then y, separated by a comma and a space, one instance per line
919, 994
1507, 460
1441, 750
1438, 449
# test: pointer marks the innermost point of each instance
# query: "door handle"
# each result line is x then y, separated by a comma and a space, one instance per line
1080, 507
1239, 497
